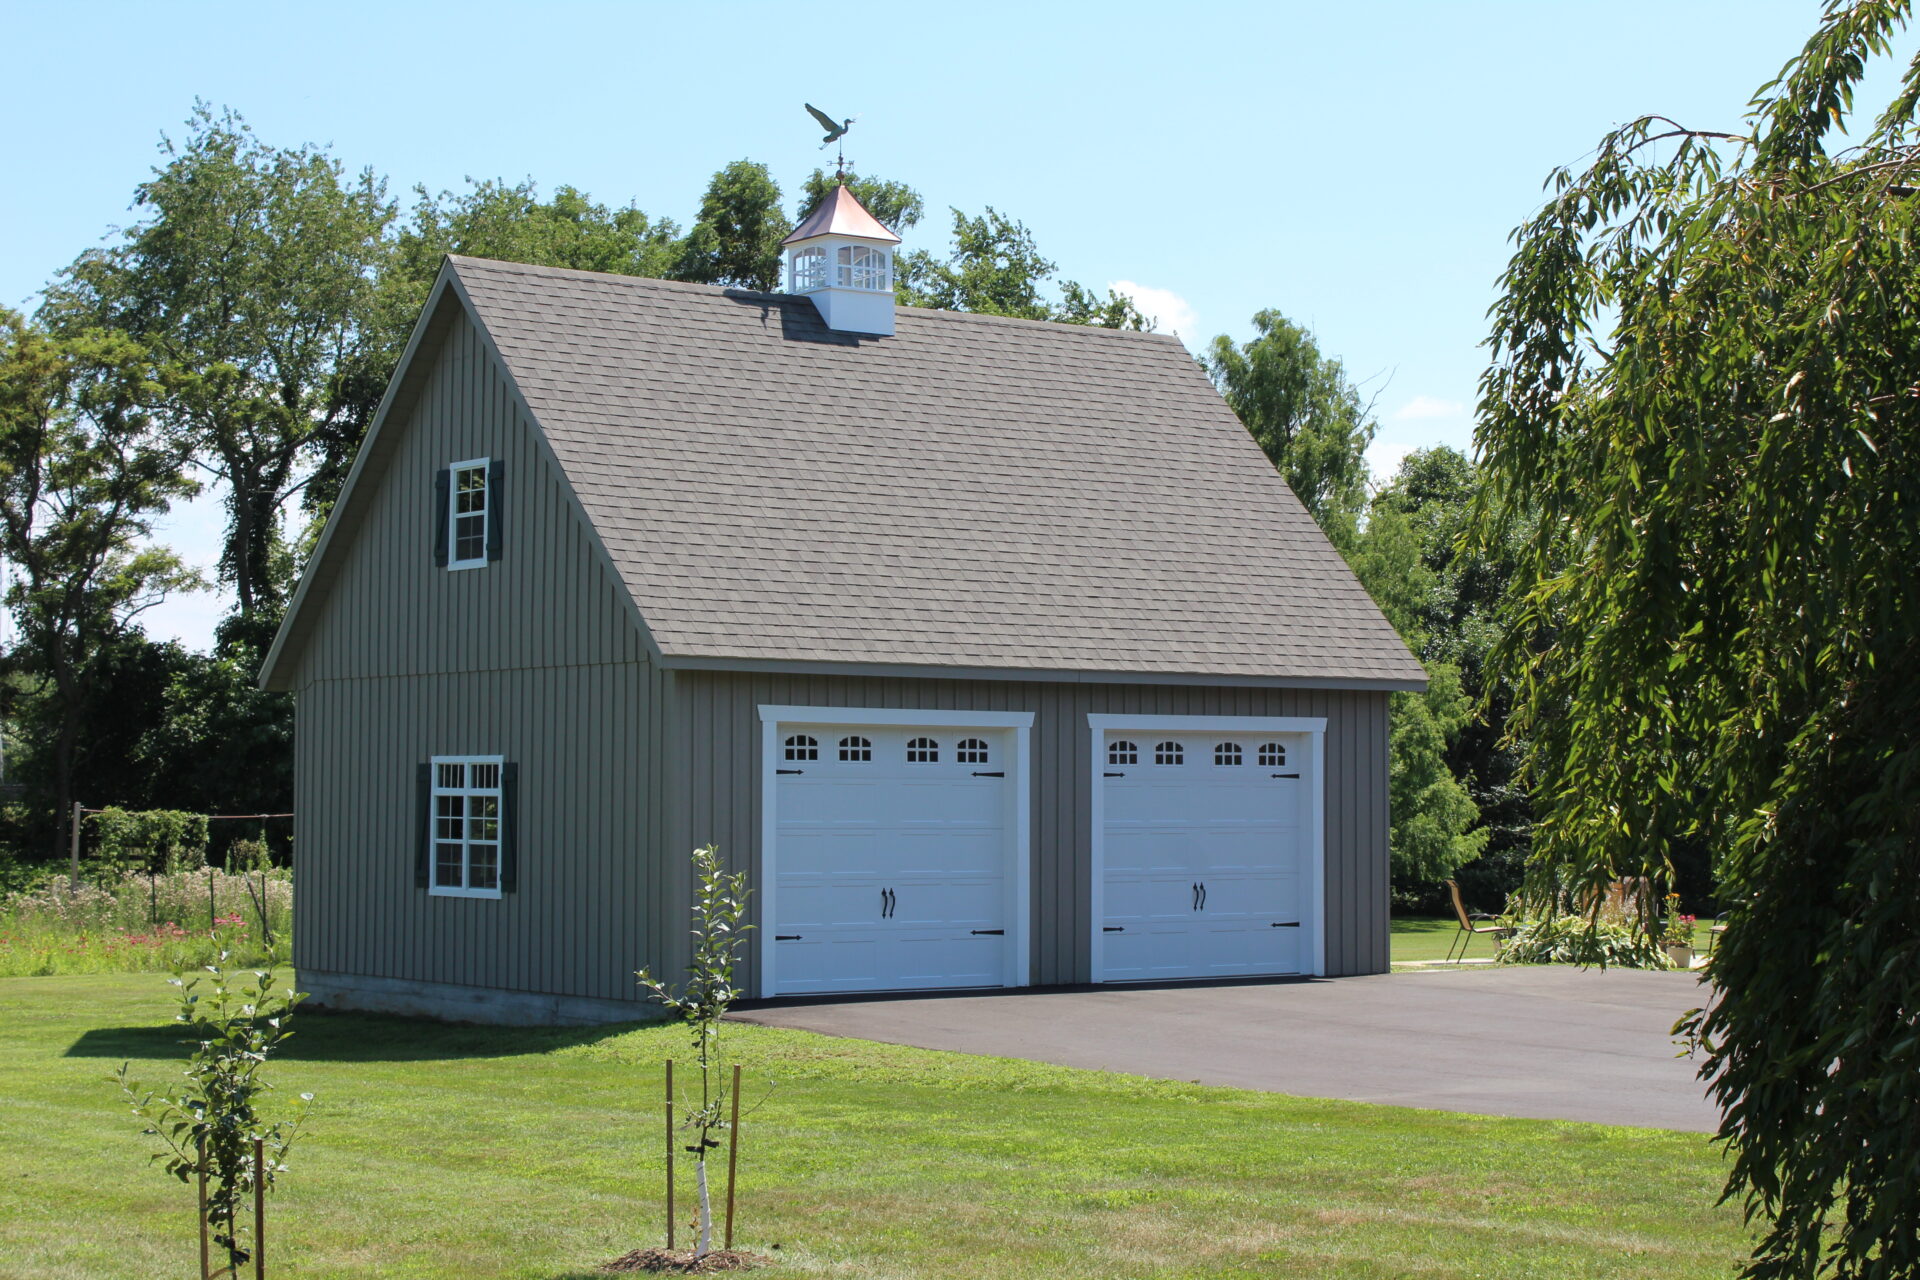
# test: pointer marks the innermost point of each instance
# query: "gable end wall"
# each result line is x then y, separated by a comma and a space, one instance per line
535, 658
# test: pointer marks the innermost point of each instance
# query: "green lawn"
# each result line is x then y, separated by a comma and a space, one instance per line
476, 1152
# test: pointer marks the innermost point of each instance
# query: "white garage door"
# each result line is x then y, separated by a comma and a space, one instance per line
1204, 850
892, 858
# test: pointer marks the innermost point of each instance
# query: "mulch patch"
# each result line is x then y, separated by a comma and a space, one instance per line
680, 1262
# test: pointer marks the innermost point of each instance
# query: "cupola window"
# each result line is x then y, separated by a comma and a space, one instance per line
809, 269
861, 267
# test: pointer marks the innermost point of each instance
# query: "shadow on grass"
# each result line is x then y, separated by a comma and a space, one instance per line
324, 1036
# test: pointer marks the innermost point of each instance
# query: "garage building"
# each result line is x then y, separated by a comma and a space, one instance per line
994, 651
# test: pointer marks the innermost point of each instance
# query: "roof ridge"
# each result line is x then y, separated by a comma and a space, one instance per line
735, 291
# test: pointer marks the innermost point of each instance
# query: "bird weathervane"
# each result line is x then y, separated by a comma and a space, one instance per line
836, 130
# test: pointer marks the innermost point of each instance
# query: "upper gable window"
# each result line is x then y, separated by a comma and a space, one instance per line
470, 514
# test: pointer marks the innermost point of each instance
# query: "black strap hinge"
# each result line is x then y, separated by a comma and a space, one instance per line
786, 937
1286, 924
1277, 775
789, 770
1113, 928
1116, 775
995, 932
978, 774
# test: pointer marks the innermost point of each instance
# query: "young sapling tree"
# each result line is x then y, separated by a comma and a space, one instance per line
212, 1111
720, 906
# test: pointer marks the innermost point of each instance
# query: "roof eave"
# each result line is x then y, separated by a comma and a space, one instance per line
929, 671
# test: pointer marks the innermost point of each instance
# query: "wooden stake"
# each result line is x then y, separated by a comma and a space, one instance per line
203, 1206
73, 875
669, 1153
733, 1152
259, 1210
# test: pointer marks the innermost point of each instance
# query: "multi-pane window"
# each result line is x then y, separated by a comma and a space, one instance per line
861, 267
803, 747
971, 751
1227, 753
856, 748
468, 515
923, 751
466, 826
808, 270
1169, 753
1272, 755
1123, 753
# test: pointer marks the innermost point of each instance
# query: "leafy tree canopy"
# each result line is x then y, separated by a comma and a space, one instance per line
253, 274
737, 238
1703, 422
995, 269
1305, 413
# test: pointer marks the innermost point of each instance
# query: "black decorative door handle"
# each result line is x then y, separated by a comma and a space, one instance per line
1203, 895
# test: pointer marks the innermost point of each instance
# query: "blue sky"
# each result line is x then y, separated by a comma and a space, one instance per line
1358, 167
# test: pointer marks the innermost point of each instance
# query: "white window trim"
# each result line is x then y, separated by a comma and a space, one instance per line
776, 721
1313, 733
485, 466
434, 888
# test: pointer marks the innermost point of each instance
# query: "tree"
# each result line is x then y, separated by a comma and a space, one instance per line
719, 931
996, 269
1703, 397
1303, 410
253, 274
1456, 612
82, 470
1431, 817
736, 240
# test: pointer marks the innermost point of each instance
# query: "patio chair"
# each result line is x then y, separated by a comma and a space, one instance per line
1472, 923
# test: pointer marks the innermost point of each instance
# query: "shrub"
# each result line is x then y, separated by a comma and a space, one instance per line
152, 840
1571, 939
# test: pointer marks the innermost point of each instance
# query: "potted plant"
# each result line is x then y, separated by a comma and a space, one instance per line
1676, 937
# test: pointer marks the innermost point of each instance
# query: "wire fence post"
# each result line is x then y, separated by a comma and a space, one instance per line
73, 853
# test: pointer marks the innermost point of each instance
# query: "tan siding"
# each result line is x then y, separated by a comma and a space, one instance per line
722, 787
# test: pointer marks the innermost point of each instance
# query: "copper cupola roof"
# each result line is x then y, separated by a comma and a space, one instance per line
840, 214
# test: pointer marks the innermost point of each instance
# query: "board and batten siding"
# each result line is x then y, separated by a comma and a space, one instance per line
535, 657
719, 718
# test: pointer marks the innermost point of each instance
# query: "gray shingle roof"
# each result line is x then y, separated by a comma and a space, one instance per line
973, 492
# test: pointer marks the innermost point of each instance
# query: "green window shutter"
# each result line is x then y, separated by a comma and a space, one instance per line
496, 507
442, 496
509, 827
423, 824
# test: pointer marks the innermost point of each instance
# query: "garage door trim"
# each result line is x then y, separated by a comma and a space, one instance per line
1312, 778
1019, 773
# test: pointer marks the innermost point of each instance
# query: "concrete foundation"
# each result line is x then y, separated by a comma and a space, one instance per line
453, 1002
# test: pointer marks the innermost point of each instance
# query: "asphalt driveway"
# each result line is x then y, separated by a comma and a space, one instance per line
1551, 1043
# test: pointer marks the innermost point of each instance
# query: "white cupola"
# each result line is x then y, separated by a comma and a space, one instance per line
842, 258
